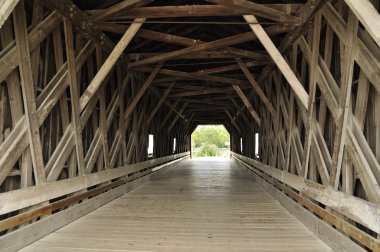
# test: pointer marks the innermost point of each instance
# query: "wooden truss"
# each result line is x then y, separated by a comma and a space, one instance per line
82, 88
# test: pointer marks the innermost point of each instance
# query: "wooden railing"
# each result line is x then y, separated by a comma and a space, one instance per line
353, 208
72, 191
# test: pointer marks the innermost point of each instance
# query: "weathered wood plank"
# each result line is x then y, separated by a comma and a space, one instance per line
159, 103
9, 58
224, 42
74, 93
142, 90
28, 93
256, 86
367, 213
6, 8
51, 223
260, 10
22, 198
110, 62
195, 11
345, 99
368, 16
278, 59
117, 9
248, 104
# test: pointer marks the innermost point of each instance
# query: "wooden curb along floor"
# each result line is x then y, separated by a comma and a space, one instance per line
316, 218
50, 219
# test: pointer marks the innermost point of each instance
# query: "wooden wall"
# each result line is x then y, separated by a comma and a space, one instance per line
52, 125
335, 140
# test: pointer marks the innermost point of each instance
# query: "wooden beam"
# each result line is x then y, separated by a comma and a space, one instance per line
224, 42
196, 75
367, 61
313, 73
215, 54
256, 86
74, 92
364, 161
195, 11
308, 11
259, 10
199, 110
366, 165
232, 67
121, 90
159, 103
110, 62
80, 20
248, 104
204, 101
368, 16
167, 102
117, 9
142, 90
174, 39
16, 108
168, 38
9, 58
172, 108
279, 60
17, 141
204, 91
177, 117
28, 94
6, 8
245, 118
96, 143
102, 114
344, 101
35, 55
233, 121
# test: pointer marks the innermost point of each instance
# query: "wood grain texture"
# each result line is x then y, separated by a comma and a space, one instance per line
202, 205
298, 89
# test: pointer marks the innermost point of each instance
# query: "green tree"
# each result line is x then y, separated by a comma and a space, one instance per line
212, 135
208, 150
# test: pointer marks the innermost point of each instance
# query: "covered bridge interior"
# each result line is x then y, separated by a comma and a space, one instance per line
84, 83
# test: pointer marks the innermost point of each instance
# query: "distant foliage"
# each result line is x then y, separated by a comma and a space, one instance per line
212, 135
208, 150
210, 141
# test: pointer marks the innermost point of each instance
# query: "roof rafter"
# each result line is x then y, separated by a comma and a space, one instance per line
216, 44
259, 10
197, 11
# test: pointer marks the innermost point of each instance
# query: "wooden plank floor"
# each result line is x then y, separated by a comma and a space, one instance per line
202, 205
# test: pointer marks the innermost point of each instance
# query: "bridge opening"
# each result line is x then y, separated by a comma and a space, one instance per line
210, 141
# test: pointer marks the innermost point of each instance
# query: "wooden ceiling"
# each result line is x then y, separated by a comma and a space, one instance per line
207, 48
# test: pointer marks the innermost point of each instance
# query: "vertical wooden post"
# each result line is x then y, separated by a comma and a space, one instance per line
121, 82
16, 107
103, 116
28, 93
345, 98
312, 91
74, 92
